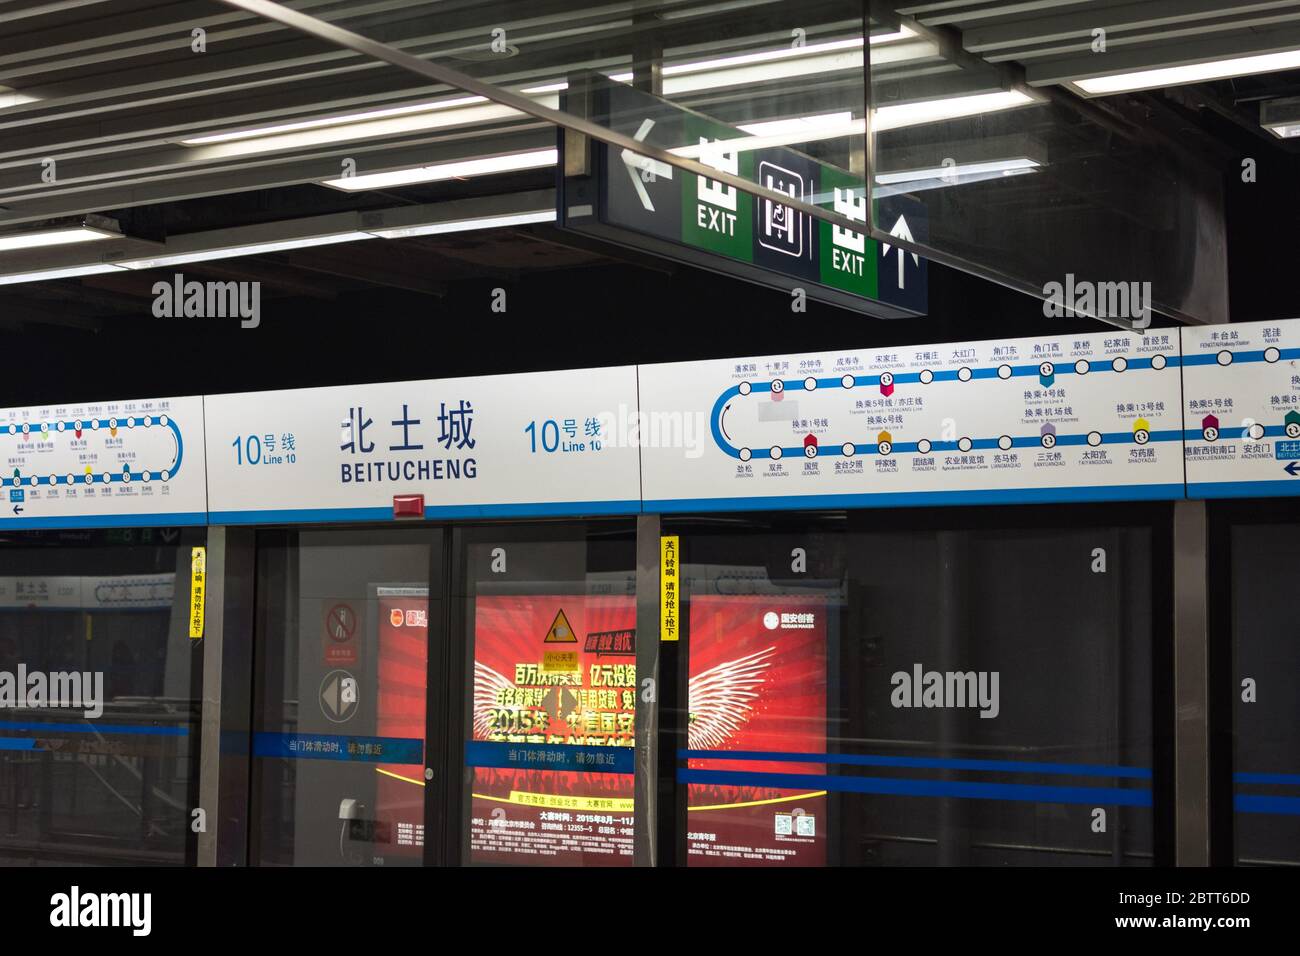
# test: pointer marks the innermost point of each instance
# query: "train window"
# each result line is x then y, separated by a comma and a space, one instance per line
99, 697
340, 689
921, 689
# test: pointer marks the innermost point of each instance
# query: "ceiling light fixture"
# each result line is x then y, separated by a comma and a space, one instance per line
1189, 73
461, 169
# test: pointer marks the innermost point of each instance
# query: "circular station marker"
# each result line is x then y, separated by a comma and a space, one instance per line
1048, 440
1082, 367
1004, 442
1224, 357
1094, 439
746, 454
926, 377
810, 451
848, 449
1255, 431
885, 447
162, 419
1046, 368
886, 379
963, 444
1004, 371
778, 386
1293, 429
164, 475
1119, 364
1141, 436
809, 383
745, 388
1210, 433
775, 452
963, 374
847, 381
924, 446
1158, 362
1271, 355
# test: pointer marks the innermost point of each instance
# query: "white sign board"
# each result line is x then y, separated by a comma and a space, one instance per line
1241, 384
540, 443
1070, 418
103, 464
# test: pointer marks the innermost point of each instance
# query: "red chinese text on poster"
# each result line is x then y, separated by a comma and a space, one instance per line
757, 683
553, 669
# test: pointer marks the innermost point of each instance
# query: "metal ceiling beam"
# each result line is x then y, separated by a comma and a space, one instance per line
1147, 17
436, 71
1154, 56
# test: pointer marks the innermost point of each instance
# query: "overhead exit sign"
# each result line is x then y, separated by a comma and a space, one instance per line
641, 202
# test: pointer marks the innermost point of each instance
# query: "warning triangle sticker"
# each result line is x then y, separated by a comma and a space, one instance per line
560, 632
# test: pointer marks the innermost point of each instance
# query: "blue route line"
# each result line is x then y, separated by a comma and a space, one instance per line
1005, 372
93, 424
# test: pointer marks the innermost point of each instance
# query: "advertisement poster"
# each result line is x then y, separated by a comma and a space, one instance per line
403, 642
554, 686
757, 686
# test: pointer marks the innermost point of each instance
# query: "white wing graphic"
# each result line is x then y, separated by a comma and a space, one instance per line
486, 684
718, 700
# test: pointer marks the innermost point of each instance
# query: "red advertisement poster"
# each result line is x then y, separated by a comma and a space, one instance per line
757, 684
403, 645
557, 675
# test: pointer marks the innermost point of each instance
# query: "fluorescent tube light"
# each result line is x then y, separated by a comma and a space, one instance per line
231, 252
60, 236
808, 129
1190, 73
1007, 167
953, 107
10, 97
465, 225
344, 124
1281, 117
66, 273
461, 169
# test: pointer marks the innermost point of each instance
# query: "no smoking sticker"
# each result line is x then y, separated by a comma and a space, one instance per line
340, 646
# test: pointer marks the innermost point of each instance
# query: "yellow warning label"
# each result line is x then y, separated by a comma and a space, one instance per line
560, 662
670, 592
560, 632
198, 577
556, 801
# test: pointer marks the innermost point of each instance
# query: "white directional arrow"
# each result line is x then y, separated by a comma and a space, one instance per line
636, 165
901, 231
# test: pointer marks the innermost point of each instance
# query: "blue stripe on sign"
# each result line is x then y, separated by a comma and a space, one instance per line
522, 510
17, 743
498, 754
1285, 779
903, 499
1249, 803
1243, 489
936, 763
90, 727
186, 518
1107, 796
404, 750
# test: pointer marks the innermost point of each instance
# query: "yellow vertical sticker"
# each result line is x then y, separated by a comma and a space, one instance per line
198, 575
669, 588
